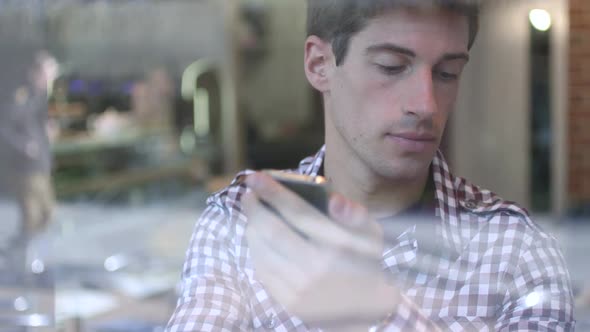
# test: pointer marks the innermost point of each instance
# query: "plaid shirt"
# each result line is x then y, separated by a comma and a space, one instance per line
500, 270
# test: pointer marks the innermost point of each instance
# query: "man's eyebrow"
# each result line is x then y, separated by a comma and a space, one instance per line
455, 56
388, 47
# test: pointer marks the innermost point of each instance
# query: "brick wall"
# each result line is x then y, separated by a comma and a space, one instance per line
579, 104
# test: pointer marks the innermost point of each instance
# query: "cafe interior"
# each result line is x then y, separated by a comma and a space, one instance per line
154, 105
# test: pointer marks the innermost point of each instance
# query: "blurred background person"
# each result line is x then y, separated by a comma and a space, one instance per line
25, 157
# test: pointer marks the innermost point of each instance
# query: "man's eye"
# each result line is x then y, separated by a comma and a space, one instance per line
391, 70
446, 76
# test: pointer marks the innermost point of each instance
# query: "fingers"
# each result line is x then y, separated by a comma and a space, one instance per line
268, 263
275, 248
311, 222
295, 211
280, 198
347, 212
266, 226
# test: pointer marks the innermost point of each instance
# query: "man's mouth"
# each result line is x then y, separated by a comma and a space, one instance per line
412, 141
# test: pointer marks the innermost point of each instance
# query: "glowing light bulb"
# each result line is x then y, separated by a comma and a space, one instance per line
540, 19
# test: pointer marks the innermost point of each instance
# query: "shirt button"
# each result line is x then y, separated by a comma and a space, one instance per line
471, 204
271, 322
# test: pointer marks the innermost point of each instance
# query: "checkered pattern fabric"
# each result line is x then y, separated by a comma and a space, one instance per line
494, 270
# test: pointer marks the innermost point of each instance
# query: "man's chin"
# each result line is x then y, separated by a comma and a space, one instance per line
404, 169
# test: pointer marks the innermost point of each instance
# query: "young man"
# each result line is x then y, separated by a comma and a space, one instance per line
389, 73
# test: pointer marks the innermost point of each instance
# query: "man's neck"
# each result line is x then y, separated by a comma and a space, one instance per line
383, 197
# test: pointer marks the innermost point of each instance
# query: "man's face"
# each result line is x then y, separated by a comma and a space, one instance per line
388, 102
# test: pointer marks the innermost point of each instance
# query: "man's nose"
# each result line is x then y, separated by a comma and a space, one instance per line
421, 95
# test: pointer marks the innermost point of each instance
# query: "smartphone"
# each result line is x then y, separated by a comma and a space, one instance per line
313, 189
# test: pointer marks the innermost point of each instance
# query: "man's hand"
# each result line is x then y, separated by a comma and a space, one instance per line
331, 277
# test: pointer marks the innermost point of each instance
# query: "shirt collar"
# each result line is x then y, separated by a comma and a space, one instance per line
311, 166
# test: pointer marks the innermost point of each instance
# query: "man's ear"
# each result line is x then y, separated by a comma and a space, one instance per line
318, 62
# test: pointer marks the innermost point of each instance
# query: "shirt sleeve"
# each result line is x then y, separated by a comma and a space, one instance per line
407, 317
210, 297
538, 297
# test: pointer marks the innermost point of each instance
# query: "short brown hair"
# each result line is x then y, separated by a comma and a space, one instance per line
337, 21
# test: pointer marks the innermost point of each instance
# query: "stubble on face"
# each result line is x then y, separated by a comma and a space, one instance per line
390, 123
